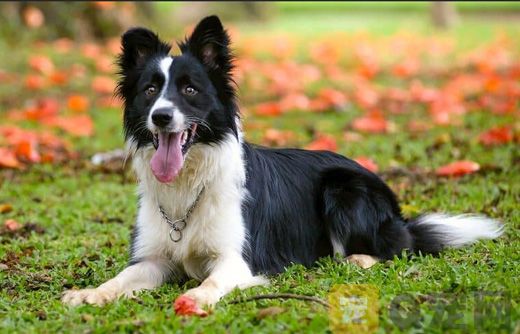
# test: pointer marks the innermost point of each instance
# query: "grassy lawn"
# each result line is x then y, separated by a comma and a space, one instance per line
84, 215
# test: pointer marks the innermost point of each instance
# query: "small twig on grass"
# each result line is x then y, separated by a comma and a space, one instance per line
281, 296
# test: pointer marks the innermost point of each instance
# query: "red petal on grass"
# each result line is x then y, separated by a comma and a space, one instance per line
44, 108
26, 150
367, 97
63, 45
323, 142
104, 4
103, 85
496, 136
34, 82
59, 78
33, 17
105, 64
91, 50
277, 137
41, 64
8, 158
294, 101
77, 103
80, 126
268, 109
50, 140
458, 168
109, 102
333, 97
12, 225
15, 135
185, 305
367, 163
406, 68
373, 122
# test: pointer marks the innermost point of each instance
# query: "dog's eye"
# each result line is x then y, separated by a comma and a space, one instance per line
151, 90
189, 90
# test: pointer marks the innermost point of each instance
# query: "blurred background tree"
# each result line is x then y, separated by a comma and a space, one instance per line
81, 20
99, 20
444, 14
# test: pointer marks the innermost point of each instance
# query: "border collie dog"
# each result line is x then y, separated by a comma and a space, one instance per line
218, 209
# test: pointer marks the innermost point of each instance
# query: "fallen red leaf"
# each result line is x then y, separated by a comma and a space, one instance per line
268, 109
367, 163
12, 225
43, 109
91, 50
406, 68
33, 17
333, 97
366, 96
458, 168
8, 158
105, 64
294, 101
77, 103
323, 142
41, 64
274, 137
497, 135
62, 45
26, 150
185, 305
109, 102
15, 135
103, 85
58, 78
372, 122
81, 126
34, 82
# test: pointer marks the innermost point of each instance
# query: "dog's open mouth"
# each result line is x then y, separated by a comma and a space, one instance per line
171, 148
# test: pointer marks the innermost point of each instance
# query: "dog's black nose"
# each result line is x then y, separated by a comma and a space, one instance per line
162, 117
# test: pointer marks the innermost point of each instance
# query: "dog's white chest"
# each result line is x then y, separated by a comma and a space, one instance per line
214, 226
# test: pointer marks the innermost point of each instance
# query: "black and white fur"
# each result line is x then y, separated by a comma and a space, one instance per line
262, 209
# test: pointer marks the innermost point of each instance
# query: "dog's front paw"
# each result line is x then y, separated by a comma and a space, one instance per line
96, 296
203, 296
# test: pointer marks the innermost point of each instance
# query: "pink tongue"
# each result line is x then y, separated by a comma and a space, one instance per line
167, 160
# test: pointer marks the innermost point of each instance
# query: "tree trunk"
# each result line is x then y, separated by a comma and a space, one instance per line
444, 14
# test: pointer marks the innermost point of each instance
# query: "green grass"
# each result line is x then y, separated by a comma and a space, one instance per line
87, 215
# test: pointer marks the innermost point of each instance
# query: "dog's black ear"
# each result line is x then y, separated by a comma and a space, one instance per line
209, 42
138, 44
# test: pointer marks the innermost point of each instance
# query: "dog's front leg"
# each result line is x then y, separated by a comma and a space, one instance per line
229, 271
146, 274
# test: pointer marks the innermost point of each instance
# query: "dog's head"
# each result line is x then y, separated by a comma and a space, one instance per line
174, 102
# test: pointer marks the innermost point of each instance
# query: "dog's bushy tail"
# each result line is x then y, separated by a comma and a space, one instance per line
433, 232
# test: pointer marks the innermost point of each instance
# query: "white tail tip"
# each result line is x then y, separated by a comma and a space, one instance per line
460, 230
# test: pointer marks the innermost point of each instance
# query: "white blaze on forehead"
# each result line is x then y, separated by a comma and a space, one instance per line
163, 102
165, 65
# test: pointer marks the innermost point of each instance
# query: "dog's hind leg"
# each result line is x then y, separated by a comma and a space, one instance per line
146, 274
362, 216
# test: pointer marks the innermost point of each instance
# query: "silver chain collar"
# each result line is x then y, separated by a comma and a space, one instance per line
176, 226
